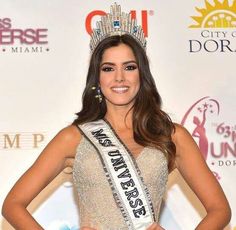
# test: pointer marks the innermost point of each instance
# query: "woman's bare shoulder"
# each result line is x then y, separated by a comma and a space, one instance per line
67, 140
182, 139
70, 133
179, 133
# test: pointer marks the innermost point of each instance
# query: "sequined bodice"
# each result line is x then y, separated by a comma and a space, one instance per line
97, 207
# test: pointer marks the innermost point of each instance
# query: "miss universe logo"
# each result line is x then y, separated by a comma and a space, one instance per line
18, 40
216, 139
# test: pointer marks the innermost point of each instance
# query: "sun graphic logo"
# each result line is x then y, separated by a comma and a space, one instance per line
219, 15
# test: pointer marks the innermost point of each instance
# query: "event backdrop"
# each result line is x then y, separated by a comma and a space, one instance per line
44, 54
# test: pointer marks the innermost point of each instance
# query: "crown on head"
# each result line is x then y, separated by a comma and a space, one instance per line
116, 23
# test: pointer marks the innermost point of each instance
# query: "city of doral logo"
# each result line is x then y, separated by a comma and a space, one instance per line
216, 24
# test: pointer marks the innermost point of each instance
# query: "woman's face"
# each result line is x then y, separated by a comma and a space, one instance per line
119, 76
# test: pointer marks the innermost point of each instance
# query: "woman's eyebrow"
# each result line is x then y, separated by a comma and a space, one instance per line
107, 63
123, 63
128, 62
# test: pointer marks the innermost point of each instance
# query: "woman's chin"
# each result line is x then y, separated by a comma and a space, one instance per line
120, 103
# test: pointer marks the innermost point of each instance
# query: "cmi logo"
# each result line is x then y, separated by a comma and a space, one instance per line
144, 19
220, 15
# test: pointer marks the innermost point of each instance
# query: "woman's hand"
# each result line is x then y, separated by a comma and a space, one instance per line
87, 228
155, 226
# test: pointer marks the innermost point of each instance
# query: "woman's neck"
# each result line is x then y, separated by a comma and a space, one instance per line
120, 117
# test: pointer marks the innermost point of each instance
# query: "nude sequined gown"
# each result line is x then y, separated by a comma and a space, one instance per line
97, 207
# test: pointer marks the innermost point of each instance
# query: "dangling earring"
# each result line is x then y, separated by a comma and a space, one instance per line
98, 95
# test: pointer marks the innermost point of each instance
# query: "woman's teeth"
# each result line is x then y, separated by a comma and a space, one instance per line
120, 89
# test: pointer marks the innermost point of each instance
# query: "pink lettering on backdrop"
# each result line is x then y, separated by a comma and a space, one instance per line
200, 109
197, 116
28, 36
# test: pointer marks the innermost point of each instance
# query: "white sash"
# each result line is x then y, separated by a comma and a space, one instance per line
123, 175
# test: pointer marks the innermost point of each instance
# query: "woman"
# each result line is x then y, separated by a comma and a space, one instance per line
124, 147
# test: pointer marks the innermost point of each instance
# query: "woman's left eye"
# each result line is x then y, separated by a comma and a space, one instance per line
131, 67
106, 69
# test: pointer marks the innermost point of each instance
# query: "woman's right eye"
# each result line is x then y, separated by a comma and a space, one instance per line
107, 69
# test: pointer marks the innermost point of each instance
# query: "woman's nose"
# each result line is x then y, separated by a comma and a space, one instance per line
119, 77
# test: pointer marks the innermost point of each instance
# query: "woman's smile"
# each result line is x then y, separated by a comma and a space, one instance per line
120, 89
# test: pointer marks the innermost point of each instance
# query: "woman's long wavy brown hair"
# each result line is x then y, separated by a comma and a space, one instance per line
151, 126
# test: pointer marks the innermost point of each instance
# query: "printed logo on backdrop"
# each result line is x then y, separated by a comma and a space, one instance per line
22, 40
145, 14
215, 136
215, 27
21, 140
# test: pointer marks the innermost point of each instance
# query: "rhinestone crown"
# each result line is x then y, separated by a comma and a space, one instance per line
116, 23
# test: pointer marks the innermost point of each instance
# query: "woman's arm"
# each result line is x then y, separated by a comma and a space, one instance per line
196, 173
53, 159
